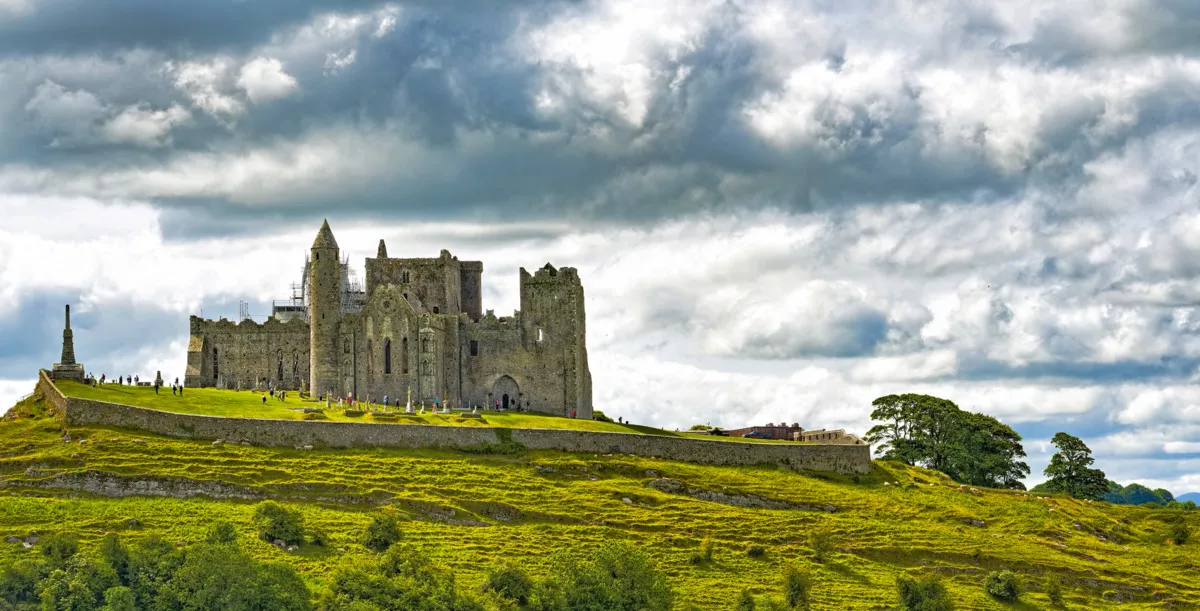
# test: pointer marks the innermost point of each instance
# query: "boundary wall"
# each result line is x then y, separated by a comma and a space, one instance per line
845, 459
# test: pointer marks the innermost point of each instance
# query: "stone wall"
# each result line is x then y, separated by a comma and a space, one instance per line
840, 459
45, 387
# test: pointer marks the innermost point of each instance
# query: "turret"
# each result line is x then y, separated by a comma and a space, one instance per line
324, 312
382, 252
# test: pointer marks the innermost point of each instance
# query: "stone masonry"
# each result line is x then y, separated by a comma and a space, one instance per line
418, 327
67, 368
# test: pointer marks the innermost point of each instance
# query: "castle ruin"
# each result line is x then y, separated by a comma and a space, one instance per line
418, 327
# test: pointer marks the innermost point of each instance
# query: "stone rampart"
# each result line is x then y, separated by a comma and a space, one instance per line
815, 457
46, 388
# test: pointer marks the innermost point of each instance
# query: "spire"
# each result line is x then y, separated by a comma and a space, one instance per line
68, 347
382, 252
325, 237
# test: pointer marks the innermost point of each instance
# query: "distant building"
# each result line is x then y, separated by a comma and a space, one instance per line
839, 436
769, 431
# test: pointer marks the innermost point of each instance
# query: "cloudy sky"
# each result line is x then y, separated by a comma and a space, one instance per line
780, 209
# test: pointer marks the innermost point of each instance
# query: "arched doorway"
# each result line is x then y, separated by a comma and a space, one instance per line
505, 391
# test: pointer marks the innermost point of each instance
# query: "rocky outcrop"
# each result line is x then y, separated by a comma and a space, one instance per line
110, 484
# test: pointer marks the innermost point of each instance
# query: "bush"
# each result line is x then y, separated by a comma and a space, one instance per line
795, 589
700, 427
756, 551
510, 582
1002, 585
599, 415
382, 533
319, 538
924, 594
115, 554
224, 577
706, 548
745, 601
275, 523
1180, 533
19, 582
119, 598
618, 576
1054, 592
220, 533
59, 547
821, 542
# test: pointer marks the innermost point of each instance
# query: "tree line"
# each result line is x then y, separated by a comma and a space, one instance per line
979, 450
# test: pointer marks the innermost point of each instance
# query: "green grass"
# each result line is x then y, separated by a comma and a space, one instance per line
472, 511
249, 404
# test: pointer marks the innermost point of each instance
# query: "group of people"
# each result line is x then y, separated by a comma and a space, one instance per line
278, 395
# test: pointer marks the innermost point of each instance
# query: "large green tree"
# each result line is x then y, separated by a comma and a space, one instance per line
1070, 469
933, 432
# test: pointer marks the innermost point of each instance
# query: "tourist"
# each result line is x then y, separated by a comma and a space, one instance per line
137, 380
173, 389
264, 399
181, 390
177, 381
572, 413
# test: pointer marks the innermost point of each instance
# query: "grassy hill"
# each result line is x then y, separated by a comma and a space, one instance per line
471, 511
249, 404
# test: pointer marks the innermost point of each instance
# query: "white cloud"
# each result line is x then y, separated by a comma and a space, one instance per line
263, 79
144, 126
208, 85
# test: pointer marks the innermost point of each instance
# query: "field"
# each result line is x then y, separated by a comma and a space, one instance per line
238, 404
472, 511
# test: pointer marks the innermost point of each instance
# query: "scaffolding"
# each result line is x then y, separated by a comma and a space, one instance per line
350, 290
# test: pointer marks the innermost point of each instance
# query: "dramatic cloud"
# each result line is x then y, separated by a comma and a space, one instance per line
781, 209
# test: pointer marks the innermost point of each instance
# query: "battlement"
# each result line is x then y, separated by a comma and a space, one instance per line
547, 274
491, 321
200, 326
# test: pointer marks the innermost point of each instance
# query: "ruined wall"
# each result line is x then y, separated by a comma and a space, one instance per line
840, 458
499, 353
222, 353
471, 282
432, 285
553, 329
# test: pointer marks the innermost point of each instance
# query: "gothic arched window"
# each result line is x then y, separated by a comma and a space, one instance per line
387, 356
404, 355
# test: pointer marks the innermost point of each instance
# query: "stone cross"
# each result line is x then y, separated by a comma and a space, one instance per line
67, 368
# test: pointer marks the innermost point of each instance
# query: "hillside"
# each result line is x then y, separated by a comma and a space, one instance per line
470, 511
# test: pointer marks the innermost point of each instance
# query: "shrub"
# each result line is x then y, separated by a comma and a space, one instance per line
745, 601
275, 523
696, 558
795, 589
700, 427
19, 582
59, 547
1054, 592
119, 598
224, 577
599, 415
382, 532
319, 538
618, 576
510, 582
924, 594
115, 554
1002, 585
221, 532
79, 584
756, 551
821, 542
1180, 533
706, 548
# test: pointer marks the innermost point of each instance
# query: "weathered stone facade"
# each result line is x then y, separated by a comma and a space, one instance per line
421, 328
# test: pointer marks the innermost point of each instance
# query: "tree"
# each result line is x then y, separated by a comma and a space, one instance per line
1070, 469
932, 432
275, 523
991, 450
381, 533
224, 577
617, 577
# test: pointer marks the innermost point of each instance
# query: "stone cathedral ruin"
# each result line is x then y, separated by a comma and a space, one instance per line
416, 328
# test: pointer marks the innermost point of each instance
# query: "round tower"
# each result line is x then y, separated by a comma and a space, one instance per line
324, 313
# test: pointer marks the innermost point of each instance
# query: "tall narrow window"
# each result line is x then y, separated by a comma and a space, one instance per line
540, 335
404, 355
474, 348
215, 370
370, 356
404, 277
387, 356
